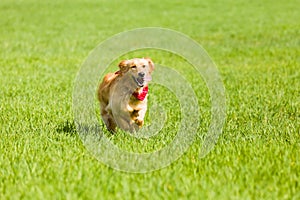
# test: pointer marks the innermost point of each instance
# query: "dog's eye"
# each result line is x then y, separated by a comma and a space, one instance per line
144, 66
133, 67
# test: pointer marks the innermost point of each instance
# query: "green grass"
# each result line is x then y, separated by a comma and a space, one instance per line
256, 48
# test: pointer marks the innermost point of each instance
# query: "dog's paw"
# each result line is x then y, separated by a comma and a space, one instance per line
134, 114
140, 123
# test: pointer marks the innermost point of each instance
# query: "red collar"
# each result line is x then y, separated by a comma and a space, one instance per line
141, 96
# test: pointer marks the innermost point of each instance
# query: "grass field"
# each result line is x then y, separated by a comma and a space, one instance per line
256, 47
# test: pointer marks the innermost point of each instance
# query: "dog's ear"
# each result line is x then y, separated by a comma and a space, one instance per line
124, 66
151, 64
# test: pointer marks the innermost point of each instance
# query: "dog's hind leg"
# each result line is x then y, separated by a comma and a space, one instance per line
109, 121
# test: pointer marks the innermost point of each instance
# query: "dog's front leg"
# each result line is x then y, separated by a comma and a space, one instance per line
127, 124
140, 118
129, 109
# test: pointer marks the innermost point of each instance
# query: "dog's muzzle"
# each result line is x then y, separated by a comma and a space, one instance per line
140, 80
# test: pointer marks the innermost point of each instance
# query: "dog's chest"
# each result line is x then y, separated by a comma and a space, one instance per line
137, 104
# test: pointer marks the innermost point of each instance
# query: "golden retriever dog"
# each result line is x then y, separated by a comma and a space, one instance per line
123, 95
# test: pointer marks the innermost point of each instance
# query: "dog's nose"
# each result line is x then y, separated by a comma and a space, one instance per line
141, 74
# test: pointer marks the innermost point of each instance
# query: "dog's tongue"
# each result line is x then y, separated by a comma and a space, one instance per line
141, 96
148, 78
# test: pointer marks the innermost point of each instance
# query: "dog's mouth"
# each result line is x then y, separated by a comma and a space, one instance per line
140, 81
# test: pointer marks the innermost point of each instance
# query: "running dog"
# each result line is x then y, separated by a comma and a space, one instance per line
123, 95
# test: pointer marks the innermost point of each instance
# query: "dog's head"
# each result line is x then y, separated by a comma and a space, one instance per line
140, 70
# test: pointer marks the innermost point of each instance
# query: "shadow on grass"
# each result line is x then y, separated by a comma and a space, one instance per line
67, 127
